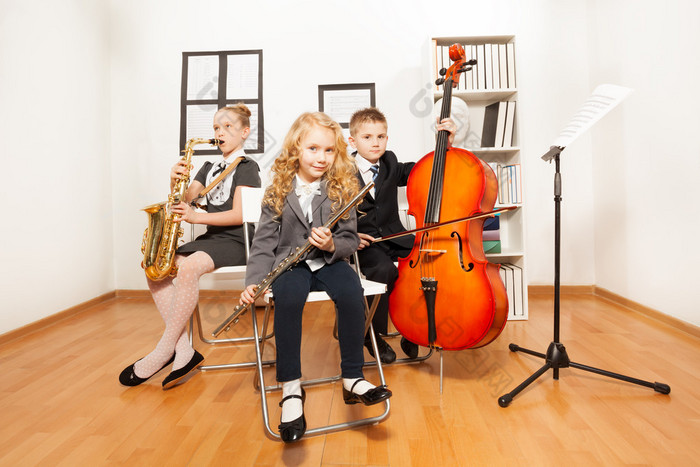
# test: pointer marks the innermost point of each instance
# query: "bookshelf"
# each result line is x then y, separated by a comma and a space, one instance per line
490, 91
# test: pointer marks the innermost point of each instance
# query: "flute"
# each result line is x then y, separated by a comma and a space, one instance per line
288, 263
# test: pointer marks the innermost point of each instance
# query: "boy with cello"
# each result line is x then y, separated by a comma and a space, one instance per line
380, 215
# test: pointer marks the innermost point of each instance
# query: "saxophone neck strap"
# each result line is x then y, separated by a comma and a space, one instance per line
215, 182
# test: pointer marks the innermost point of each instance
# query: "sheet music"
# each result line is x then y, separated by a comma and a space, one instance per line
202, 77
200, 122
603, 99
252, 141
242, 76
342, 103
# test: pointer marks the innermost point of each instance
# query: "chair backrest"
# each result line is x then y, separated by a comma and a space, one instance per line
251, 199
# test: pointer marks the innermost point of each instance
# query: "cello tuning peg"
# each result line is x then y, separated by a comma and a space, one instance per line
442, 71
439, 81
470, 62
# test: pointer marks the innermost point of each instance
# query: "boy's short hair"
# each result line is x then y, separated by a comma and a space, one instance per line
369, 114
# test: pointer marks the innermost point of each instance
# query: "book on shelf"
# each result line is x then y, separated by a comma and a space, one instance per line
488, 65
491, 235
509, 125
510, 57
514, 281
491, 246
507, 278
501, 124
481, 66
493, 223
469, 75
502, 66
488, 132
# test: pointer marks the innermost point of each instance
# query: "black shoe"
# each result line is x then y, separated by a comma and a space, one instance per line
176, 377
374, 396
128, 377
294, 430
409, 348
386, 353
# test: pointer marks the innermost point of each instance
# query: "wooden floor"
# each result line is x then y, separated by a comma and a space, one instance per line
61, 403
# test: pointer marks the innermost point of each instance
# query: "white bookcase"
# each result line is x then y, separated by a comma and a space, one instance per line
492, 81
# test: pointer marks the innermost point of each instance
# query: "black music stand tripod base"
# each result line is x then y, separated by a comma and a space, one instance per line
556, 353
558, 358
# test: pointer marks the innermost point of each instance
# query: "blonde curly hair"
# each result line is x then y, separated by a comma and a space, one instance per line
342, 183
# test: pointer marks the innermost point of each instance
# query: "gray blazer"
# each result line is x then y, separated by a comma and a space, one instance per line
274, 239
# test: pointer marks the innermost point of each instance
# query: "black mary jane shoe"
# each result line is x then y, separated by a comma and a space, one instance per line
294, 430
177, 376
128, 377
373, 396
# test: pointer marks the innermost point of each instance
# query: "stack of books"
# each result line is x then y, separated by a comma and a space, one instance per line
491, 236
509, 183
499, 125
512, 277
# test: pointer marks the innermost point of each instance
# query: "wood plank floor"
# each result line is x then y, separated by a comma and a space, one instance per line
61, 403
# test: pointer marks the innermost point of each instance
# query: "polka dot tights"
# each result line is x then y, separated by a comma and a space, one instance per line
175, 300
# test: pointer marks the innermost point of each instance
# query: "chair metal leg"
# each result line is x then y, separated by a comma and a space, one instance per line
370, 314
226, 366
260, 383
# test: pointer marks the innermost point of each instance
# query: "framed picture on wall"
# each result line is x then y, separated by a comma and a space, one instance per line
340, 101
211, 80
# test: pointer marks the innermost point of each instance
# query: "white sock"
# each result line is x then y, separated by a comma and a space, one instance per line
292, 408
360, 388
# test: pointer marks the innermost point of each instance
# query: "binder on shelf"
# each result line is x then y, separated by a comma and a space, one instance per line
488, 133
495, 67
492, 246
476, 68
502, 66
491, 235
488, 65
501, 124
509, 125
518, 305
492, 223
510, 55
507, 277
481, 65
468, 76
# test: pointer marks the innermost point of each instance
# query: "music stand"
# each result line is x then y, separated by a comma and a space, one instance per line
556, 356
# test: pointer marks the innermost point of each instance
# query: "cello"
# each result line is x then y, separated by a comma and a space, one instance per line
448, 295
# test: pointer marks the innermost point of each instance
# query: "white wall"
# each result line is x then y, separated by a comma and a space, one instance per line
122, 86
56, 235
329, 42
645, 154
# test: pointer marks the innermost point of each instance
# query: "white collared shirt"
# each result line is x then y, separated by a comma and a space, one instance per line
365, 168
316, 263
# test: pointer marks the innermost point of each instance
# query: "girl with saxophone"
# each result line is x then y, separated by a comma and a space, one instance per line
221, 245
313, 178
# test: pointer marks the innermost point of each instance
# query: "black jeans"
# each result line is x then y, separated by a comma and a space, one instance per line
291, 289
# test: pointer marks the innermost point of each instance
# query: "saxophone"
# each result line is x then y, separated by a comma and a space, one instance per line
161, 236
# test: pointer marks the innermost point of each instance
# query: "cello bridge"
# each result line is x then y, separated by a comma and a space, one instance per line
433, 252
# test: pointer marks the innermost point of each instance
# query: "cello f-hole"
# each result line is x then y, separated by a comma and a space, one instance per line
461, 256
